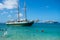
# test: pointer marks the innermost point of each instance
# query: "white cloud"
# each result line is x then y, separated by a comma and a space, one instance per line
9, 16
3, 13
8, 4
20, 15
1, 6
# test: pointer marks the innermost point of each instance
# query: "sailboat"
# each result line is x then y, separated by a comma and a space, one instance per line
24, 22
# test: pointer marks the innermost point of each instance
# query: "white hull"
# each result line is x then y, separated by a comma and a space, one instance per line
21, 23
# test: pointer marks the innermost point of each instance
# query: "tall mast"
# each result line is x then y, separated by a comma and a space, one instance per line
18, 12
25, 16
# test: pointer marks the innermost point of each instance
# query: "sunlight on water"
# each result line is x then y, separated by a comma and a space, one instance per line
50, 32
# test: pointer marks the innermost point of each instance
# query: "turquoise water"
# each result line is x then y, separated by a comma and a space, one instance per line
34, 32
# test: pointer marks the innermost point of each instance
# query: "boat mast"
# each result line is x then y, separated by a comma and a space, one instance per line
25, 16
18, 12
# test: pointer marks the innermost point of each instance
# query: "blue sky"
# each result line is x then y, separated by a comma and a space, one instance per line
36, 9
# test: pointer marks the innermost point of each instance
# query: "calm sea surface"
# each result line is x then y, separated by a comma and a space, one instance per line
38, 31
